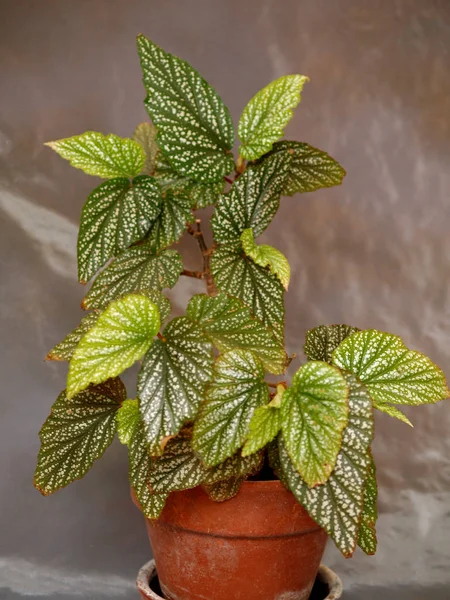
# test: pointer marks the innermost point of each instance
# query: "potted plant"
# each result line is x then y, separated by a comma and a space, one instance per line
242, 477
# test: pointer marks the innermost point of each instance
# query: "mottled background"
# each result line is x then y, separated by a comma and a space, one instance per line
373, 253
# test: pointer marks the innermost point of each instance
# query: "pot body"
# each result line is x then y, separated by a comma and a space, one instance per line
260, 545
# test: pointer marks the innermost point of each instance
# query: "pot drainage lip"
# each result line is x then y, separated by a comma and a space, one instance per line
327, 582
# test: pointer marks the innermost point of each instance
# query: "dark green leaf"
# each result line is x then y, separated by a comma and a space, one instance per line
163, 303
367, 536
115, 215
252, 200
310, 169
171, 223
267, 256
314, 414
230, 325
224, 490
171, 383
145, 135
237, 388
392, 373
258, 289
266, 115
138, 268
102, 155
235, 466
337, 505
65, 349
323, 340
76, 434
195, 130
122, 334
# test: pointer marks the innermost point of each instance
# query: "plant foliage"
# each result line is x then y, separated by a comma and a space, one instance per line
207, 412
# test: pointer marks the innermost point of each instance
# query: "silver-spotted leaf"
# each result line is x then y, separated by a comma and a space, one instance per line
172, 380
138, 268
314, 414
116, 214
263, 428
392, 411
367, 536
229, 324
225, 489
252, 200
106, 156
122, 334
237, 389
255, 286
235, 466
392, 373
337, 505
65, 349
175, 214
128, 417
267, 256
76, 434
145, 135
195, 130
322, 341
163, 303
309, 169
266, 115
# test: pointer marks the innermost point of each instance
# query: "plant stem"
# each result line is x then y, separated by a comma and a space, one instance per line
196, 274
275, 385
228, 179
206, 253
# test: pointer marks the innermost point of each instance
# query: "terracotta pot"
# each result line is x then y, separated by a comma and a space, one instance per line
327, 586
260, 545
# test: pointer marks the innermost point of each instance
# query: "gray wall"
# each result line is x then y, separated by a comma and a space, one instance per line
374, 253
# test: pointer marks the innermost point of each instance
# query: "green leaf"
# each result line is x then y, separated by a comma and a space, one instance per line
224, 490
140, 468
230, 325
392, 373
145, 135
263, 428
172, 380
267, 256
310, 169
252, 200
195, 130
122, 334
258, 289
128, 417
266, 115
235, 466
200, 195
237, 388
115, 215
138, 268
314, 414
323, 340
337, 505
392, 411
105, 156
163, 303
367, 536
65, 349
76, 434
171, 223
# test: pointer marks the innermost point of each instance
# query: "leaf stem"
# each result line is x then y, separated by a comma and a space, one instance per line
228, 179
196, 274
275, 385
206, 253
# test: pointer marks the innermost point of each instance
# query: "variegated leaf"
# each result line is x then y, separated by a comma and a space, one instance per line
266, 115
267, 256
322, 341
102, 155
263, 428
367, 536
224, 490
337, 505
230, 325
171, 223
392, 373
76, 434
172, 380
235, 466
128, 417
309, 169
115, 215
258, 289
314, 414
145, 135
122, 334
195, 130
392, 411
237, 389
65, 349
138, 268
252, 200
163, 303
